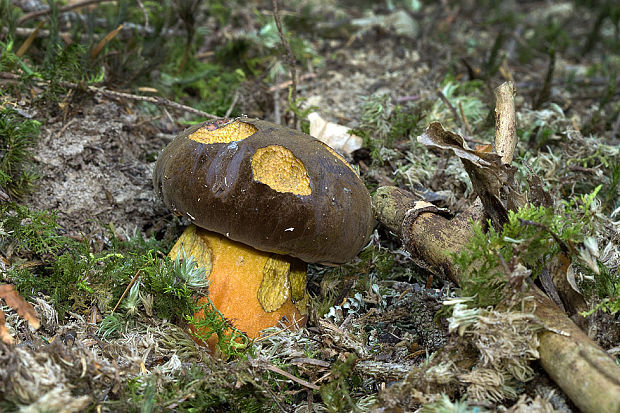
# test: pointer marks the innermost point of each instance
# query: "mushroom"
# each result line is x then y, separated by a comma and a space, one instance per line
264, 200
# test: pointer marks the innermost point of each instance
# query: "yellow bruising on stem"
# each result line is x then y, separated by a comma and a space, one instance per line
234, 131
299, 292
277, 167
274, 289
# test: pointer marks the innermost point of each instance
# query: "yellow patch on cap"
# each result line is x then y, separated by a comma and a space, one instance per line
275, 287
339, 157
214, 132
277, 167
193, 245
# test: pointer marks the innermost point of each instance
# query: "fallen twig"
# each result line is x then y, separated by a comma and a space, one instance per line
117, 95
292, 377
133, 280
290, 57
66, 8
505, 122
288, 83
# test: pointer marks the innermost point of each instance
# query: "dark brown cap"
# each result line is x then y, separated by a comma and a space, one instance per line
267, 186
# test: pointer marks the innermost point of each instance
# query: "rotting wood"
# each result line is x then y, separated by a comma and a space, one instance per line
586, 373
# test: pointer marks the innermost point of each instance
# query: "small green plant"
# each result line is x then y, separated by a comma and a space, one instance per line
110, 326
337, 393
609, 304
530, 237
467, 100
207, 321
17, 138
187, 269
383, 124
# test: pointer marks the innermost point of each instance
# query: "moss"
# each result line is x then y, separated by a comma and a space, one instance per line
337, 393
78, 278
17, 138
230, 341
195, 388
532, 236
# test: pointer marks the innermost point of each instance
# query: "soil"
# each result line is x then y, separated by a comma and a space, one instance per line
95, 168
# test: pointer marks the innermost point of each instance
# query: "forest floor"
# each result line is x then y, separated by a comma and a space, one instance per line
74, 237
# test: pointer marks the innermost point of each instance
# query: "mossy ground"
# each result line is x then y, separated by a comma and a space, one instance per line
83, 220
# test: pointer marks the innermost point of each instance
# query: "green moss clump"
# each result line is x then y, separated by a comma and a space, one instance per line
532, 237
230, 341
17, 137
220, 387
77, 278
337, 393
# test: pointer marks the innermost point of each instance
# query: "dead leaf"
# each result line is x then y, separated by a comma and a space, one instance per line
5, 336
492, 180
15, 301
333, 135
99, 46
570, 277
488, 148
26, 45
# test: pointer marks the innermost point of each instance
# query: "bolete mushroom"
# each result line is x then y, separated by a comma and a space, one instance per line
264, 199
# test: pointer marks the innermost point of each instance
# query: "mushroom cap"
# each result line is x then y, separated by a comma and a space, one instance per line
267, 186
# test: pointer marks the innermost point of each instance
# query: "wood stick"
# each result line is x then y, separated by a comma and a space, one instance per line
69, 7
133, 280
116, 95
505, 121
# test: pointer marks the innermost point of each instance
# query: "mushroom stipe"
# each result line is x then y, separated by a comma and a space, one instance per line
236, 273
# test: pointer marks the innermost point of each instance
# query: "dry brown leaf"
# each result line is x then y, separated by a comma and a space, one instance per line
492, 180
484, 148
5, 336
15, 301
26, 45
99, 46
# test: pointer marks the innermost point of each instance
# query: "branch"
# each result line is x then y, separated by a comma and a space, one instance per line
588, 375
116, 95
69, 7
505, 121
290, 57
